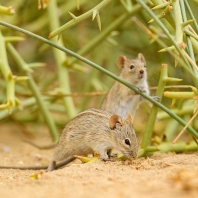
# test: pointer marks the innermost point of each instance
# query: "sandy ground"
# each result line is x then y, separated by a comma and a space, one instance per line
162, 175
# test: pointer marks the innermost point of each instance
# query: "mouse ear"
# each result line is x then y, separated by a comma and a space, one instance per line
141, 58
120, 61
115, 119
129, 117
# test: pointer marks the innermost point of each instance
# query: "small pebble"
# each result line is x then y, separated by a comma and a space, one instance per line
6, 149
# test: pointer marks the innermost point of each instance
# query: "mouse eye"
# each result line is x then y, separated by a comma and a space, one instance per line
127, 141
144, 65
132, 66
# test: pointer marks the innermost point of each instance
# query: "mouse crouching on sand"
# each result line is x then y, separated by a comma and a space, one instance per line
91, 131
99, 131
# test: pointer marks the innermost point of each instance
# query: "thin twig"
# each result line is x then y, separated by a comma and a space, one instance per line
194, 116
60, 95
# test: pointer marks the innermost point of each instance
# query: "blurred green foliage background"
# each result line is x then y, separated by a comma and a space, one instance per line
127, 39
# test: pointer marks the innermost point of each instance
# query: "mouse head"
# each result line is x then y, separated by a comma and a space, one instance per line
133, 70
123, 135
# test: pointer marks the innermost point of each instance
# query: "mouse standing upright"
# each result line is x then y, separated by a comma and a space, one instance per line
120, 99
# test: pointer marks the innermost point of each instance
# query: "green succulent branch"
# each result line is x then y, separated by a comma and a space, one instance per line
189, 43
178, 21
154, 33
178, 147
127, 5
142, 3
146, 140
60, 57
68, 5
178, 14
191, 14
189, 33
8, 76
168, 16
78, 4
94, 12
41, 104
7, 10
162, 14
165, 147
162, 5
121, 20
5, 69
25, 104
13, 39
181, 121
179, 47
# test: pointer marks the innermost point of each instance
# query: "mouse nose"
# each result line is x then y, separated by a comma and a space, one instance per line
141, 71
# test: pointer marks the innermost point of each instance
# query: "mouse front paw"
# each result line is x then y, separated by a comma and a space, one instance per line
112, 155
104, 158
143, 90
107, 160
157, 98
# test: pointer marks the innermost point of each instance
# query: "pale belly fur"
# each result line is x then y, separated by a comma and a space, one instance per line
129, 106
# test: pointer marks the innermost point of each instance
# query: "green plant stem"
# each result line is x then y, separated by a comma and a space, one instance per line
63, 73
181, 121
151, 13
31, 102
87, 88
145, 151
27, 103
6, 10
78, 19
36, 65
189, 44
13, 39
41, 104
161, 6
180, 112
191, 14
168, 147
7, 73
178, 21
189, 33
169, 16
5, 69
121, 20
171, 130
177, 147
63, 8
127, 5
194, 44
146, 140
161, 43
